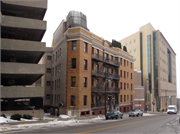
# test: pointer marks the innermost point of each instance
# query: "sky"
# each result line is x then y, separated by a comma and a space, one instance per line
117, 19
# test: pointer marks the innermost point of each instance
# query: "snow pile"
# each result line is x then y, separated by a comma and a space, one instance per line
64, 116
6, 120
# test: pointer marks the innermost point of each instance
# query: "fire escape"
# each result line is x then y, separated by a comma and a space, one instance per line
106, 89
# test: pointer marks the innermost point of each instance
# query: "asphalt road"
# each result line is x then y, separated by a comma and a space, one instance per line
157, 124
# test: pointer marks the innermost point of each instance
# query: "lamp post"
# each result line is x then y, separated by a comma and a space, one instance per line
166, 98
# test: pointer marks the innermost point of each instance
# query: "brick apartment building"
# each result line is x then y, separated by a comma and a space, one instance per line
85, 71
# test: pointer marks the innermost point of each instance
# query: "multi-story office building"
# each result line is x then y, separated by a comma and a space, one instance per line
88, 71
156, 59
22, 28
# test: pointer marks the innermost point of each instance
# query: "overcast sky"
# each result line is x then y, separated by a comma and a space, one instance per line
117, 19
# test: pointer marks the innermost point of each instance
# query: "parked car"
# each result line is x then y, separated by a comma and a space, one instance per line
114, 115
135, 112
23, 106
172, 109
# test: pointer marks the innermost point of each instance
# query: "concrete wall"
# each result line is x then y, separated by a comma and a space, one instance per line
35, 113
21, 45
21, 68
16, 92
38, 4
19, 22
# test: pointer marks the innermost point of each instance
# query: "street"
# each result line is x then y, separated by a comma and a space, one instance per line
160, 123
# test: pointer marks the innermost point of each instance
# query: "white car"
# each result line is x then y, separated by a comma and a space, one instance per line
135, 112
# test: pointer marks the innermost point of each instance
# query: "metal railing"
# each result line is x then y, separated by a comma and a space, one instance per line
108, 61
98, 89
98, 73
97, 57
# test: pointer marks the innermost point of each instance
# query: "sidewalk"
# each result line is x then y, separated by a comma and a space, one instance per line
52, 120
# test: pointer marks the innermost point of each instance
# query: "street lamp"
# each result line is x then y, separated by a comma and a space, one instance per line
166, 98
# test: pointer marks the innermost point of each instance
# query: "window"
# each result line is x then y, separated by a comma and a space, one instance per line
92, 50
124, 74
47, 96
73, 63
85, 64
60, 52
111, 70
73, 99
56, 56
131, 98
85, 100
116, 71
97, 82
85, 81
112, 84
124, 98
134, 40
85, 47
124, 86
121, 73
124, 62
134, 50
121, 61
73, 81
131, 86
130, 42
135, 59
48, 70
127, 63
92, 66
49, 57
126, 44
121, 98
97, 67
127, 97
131, 65
127, 74
92, 82
129, 51
121, 86
97, 51
131, 76
74, 45
111, 57
116, 59
127, 85
48, 83
116, 84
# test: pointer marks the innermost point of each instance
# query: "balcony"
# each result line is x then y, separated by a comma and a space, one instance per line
98, 73
113, 62
98, 89
97, 57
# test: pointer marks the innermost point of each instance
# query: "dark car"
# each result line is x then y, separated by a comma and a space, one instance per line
23, 106
114, 115
135, 112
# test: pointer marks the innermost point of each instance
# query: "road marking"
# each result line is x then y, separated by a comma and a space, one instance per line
115, 126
